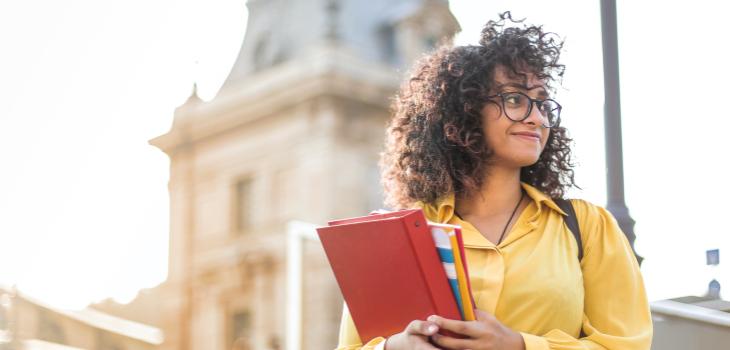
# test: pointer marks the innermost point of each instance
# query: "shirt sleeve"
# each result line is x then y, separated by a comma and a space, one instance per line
616, 310
349, 339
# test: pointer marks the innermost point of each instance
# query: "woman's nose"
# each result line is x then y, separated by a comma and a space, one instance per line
535, 117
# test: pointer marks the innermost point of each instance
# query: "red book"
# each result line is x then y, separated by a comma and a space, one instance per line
388, 270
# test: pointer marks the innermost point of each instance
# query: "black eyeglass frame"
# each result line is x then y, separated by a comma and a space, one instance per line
533, 101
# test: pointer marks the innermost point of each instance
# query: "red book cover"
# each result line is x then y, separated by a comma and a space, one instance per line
388, 270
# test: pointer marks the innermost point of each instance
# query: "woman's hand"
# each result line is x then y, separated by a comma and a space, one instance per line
414, 337
486, 333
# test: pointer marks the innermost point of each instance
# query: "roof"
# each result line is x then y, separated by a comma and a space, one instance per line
131, 329
283, 30
101, 320
702, 312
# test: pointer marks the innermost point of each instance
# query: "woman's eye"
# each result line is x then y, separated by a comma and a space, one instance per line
548, 106
514, 100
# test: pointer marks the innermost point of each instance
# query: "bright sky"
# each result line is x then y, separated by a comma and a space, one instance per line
85, 85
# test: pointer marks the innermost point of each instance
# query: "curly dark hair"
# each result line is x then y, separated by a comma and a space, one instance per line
435, 141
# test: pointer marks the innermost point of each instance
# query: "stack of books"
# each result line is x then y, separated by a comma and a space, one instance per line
393, 268
450, 246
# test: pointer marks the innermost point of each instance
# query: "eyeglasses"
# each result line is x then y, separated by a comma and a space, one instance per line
517, 107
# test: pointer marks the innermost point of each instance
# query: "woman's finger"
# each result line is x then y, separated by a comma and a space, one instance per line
419, 327
460, 327
452, 343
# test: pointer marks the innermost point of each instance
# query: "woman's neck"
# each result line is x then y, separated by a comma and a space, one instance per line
499, 193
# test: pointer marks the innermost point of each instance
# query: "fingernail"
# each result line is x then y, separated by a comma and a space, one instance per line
432, 329
431, 318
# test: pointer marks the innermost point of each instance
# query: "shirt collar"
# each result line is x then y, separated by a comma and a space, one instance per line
443, 210
542, 198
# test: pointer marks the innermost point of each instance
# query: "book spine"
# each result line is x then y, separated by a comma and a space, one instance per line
465, 294
459, 238
443, 246
431, 267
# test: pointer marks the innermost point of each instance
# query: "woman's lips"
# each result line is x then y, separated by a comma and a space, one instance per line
528, 136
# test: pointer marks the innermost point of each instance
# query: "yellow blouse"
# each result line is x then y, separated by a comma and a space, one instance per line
533, 282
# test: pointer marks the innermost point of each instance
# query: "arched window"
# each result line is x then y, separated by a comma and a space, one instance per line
240, 330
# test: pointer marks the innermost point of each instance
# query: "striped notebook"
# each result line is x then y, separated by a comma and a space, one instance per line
448, 242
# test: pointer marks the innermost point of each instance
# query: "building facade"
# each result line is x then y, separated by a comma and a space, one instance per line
294, 134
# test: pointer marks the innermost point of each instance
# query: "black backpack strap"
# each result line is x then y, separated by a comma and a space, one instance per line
572, 222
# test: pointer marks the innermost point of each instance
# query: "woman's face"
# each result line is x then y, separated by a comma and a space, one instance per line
515, 144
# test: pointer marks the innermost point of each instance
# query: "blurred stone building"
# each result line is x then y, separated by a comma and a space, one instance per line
29, 324
294, 134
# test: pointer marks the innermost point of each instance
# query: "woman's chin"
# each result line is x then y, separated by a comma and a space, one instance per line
526, 160
517, 159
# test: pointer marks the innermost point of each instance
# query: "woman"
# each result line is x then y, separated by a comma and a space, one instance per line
476, 141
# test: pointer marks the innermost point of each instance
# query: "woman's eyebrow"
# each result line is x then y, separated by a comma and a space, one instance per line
512, 85
543, 93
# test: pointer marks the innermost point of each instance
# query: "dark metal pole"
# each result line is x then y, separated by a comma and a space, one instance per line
612, 119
